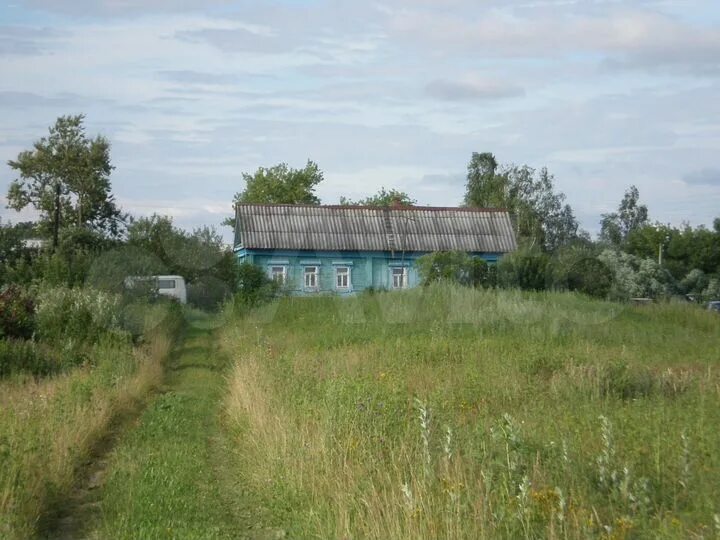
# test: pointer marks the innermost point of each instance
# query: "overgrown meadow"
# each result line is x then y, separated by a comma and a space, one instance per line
92, 358
447, 412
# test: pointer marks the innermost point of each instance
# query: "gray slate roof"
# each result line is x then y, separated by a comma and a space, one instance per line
357, 228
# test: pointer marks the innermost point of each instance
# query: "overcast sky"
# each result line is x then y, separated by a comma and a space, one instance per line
395, 93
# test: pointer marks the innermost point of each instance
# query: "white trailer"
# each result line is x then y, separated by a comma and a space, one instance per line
170, 286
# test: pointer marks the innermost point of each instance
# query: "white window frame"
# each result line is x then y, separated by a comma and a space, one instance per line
273, 275
316, 277
403, 279
343, 271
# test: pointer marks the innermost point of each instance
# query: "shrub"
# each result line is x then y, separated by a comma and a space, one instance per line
70, 264
207, 292
77, 314
254, 286
580, 270
712, 291
524, 269
17, 313
695, 282
457, 267
634, 277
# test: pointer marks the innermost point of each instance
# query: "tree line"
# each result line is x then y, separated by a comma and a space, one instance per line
65, 177
86, 237
631, 257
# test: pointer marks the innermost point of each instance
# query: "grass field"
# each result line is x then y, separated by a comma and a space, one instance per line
456, 413
49, 428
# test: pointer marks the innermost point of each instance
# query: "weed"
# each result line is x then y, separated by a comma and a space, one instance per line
475, 386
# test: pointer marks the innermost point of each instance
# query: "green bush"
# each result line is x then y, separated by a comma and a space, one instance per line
456, 267
17, 313
82, 315
208, 293
579, 270
254, 287
634, 277
524, 269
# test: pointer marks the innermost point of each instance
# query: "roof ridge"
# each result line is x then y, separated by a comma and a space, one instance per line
379, 208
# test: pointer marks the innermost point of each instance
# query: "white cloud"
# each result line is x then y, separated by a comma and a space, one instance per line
638, 38
703, 177
458, 90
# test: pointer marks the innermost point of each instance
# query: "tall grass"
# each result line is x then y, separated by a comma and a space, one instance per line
453, 413
48, 427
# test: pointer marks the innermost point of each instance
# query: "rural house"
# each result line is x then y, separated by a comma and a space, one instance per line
346, 249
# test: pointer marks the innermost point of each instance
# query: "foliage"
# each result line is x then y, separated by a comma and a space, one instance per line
81, 315
280, 184
712, 291
634, 277
457, 267
11, 246
485, 188
578, 269
15, 257
542, 217
254, 287
17, 313
383, 198
684, 249
630, 216
201, 257
694, 283
208, 293
66, 176
524, 269
70, 264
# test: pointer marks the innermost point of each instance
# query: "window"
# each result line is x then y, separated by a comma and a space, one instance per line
399, 278
279, 274
342, 277
166, 284
311, 277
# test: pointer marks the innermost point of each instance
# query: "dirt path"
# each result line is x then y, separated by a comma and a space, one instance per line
171, 473
72, 514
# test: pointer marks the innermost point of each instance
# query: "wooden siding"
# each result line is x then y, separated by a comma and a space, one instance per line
367, 269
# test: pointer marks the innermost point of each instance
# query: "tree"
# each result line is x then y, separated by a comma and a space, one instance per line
382, 198
254, 287
201, 257
635, 277
683, 249
456, 267
485, 188
280, 184
541, 215
524, 269
616, 226
66, 176
577, 268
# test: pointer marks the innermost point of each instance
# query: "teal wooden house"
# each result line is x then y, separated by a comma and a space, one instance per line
347, 249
